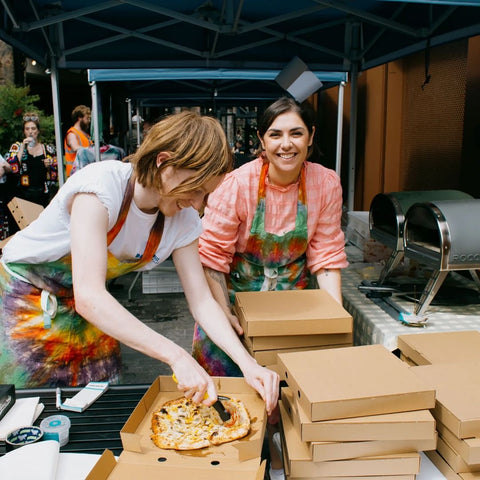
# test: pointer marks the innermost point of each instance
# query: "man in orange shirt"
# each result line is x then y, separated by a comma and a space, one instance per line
77, 136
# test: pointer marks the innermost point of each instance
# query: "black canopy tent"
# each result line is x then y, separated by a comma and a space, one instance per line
339, 36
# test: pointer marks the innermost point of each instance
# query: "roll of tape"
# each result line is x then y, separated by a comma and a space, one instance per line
22, 436
56, 427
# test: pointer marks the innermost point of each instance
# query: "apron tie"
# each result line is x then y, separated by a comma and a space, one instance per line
48, 302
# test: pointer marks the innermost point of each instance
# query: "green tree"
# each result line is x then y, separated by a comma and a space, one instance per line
14, 102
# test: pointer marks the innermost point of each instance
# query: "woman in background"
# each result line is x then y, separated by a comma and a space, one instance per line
34, 162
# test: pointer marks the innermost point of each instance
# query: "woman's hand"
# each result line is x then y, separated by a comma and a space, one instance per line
266, 382
193, 380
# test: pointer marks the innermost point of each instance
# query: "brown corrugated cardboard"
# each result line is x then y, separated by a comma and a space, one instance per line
328, 451
291, 312
402, 426
441, 347
457, 403
269, 357
468, 448
300, 464
134, 465
453, 458
443, 466
136, 432
356, 477
353, 382
23, 211
291, 341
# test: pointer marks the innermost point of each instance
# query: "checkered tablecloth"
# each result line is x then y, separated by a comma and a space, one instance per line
372, 325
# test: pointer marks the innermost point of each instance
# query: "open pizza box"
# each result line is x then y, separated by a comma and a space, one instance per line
242, 455
131, 465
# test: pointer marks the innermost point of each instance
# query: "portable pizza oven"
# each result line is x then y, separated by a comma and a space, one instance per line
443, 235
387, 219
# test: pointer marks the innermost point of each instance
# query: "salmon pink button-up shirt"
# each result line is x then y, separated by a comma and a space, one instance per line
231, 207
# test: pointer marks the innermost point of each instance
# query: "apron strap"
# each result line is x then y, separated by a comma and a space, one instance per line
156, 231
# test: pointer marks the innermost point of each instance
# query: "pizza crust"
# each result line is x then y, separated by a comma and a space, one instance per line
181, 424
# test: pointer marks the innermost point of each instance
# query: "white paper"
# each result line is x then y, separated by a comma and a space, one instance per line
38, 460
22, 414
75, 466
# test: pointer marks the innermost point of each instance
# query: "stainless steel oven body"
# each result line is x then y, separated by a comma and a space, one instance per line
387, 219
443, 235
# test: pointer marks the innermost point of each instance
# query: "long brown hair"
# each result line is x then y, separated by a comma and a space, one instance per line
193, 142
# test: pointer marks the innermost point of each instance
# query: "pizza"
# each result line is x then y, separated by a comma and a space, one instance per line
181, 424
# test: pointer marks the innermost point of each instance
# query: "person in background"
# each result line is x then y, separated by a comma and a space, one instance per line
273, 224
34, 162
59, 324
77, 136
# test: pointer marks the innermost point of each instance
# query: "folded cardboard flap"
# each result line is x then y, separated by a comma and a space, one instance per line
133, 465
23, 211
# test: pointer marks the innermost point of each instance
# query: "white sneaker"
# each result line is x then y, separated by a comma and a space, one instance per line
276, 473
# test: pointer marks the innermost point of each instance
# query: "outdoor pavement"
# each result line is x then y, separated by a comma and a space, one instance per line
166, 313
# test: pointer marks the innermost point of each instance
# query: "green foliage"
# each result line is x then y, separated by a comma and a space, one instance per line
14, 102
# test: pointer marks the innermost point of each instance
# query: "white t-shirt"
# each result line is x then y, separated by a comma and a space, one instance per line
48, 237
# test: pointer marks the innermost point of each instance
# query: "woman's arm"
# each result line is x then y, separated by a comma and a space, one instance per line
330, 280
218, 286
208, 313
89, 224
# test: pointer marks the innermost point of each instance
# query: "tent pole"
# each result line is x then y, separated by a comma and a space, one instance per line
338, 161
352, 136
129, 113
57, 123
96, 119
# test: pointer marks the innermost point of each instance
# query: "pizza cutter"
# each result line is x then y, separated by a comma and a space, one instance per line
218, 405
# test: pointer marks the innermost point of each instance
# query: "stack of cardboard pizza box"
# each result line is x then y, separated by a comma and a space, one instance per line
449, 362
291, 320
356, 412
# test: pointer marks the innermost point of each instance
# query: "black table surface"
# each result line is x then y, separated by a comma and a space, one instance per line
98, 427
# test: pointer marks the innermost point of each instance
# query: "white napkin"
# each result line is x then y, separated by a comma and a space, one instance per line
43, 461
22, 414
38, 460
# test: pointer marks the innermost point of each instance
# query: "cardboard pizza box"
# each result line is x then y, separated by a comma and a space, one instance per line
136, 432
441, 347
468, 448
353, 382
133, 465
291, 312
23, 211
454, 459
356, 477
402, 426
270, 357
457, 404
255, 344
300, 462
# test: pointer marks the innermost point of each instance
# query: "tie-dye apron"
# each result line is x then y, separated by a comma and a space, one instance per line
43, 341
269, 262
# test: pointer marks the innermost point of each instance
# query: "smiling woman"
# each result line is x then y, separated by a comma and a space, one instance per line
273, 224
108, 219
